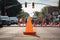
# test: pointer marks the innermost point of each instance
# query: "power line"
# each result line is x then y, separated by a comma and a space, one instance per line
10, 6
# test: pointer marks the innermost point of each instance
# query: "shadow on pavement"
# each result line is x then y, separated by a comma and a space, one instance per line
35, 36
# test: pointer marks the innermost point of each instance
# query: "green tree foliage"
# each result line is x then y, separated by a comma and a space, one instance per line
0, 4
41, 13
12, 11
23, 14
43, 10
11, 2
36, 13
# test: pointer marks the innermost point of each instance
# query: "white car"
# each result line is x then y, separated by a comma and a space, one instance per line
4, 20
13, 20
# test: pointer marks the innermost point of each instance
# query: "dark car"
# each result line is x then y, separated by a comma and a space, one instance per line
0, 24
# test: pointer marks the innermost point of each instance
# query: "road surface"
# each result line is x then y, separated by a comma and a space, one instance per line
42, 33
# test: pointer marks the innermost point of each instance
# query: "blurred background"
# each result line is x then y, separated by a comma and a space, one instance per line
40, 11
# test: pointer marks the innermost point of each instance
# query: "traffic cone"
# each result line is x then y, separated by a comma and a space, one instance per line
44, 24
59, 24
29, 29
19, 24
54, 24
35, 23
51, 24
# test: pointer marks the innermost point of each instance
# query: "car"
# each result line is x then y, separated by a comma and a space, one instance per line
4, 20
34, 19
1, 24
13, 20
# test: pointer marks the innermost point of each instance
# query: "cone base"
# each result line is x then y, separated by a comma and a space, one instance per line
29, 33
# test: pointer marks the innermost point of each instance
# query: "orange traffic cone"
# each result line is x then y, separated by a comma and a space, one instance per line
35, 23
59, 24
51, 24
29, 29
19, 24
44, 24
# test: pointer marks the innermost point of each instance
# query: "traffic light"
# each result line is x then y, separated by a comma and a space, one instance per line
32, 4
25, 4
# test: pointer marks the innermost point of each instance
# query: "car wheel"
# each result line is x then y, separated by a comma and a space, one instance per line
1, 26
8, 24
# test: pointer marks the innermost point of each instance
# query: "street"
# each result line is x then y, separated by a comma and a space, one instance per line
42, 33
29, 19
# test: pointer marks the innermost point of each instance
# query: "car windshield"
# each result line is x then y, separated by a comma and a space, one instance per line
34, 17
4, 18
13, 18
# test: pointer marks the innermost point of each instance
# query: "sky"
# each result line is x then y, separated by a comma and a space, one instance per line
37, 7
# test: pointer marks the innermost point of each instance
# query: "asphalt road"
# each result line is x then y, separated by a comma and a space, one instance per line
42, 33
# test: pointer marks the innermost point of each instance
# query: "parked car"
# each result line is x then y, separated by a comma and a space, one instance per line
4, 20
13, 20
0, 23
35, 19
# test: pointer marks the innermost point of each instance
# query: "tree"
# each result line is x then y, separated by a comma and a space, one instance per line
12, 11
0, 4
41, 13
36, 13
43, 10
23, 14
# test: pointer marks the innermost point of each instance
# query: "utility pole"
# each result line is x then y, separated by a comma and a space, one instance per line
59, 10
